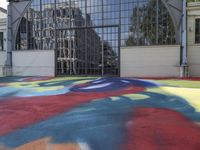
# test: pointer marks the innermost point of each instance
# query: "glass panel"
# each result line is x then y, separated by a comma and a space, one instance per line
48, 24
166, 31
94, 12
34, 25
94, 51
111, 12
110, 49
66, 54
91, 51
146, 22
22, 36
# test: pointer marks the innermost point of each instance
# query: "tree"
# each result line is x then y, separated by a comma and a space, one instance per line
151, 24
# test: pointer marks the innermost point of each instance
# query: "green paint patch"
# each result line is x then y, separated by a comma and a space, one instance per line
180, 83
82, 81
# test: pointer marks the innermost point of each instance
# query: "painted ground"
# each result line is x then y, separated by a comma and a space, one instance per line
99, 114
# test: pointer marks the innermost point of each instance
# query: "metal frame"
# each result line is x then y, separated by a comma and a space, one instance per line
25, 5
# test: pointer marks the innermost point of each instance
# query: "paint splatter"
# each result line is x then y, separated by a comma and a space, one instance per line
97, 114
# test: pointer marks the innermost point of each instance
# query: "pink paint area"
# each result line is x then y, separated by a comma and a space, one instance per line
161, 129
21, 112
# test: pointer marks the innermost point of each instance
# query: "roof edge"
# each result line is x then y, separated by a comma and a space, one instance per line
3, 10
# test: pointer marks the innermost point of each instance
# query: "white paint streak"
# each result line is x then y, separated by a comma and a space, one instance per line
84, 146
96, 86
125, 81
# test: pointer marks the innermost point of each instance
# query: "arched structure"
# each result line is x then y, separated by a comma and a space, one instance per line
171, 20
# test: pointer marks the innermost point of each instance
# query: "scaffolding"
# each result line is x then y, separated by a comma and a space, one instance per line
71, 44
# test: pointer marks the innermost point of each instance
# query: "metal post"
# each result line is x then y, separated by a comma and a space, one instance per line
157, 13
137, 24
41, 26
184, 40
102, 69
56, 46
70, 37
119, 41
86, 41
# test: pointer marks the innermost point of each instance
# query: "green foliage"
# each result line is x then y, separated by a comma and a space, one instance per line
193, 0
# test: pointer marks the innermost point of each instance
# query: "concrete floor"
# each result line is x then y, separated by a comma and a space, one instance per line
41, 113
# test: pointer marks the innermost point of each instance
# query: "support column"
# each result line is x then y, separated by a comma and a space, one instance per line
184, 63
10, 46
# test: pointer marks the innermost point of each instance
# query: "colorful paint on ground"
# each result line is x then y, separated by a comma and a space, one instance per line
99, 114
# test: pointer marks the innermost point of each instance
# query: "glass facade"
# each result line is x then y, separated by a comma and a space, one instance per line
146, 22
87, 34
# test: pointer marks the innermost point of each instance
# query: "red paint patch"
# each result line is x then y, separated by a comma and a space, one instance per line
192, 79
2, 84
154, 129
21, 112
32, 79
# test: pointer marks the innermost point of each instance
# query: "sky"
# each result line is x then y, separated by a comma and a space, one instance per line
4, 4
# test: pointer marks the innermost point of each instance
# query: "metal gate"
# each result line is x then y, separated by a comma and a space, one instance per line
88, 51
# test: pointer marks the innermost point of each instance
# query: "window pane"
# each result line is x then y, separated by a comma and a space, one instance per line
1, 41
146, 22
197, 31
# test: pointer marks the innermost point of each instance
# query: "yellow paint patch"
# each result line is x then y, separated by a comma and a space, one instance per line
131, 97
45, 89
35, 84
45, 144
192, 96
23, 84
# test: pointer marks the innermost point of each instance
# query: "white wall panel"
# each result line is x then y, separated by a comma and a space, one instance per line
2, 62
33, 63
150, 61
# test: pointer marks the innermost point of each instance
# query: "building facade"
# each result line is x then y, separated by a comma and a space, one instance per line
193, 40
3, 38
96, 37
